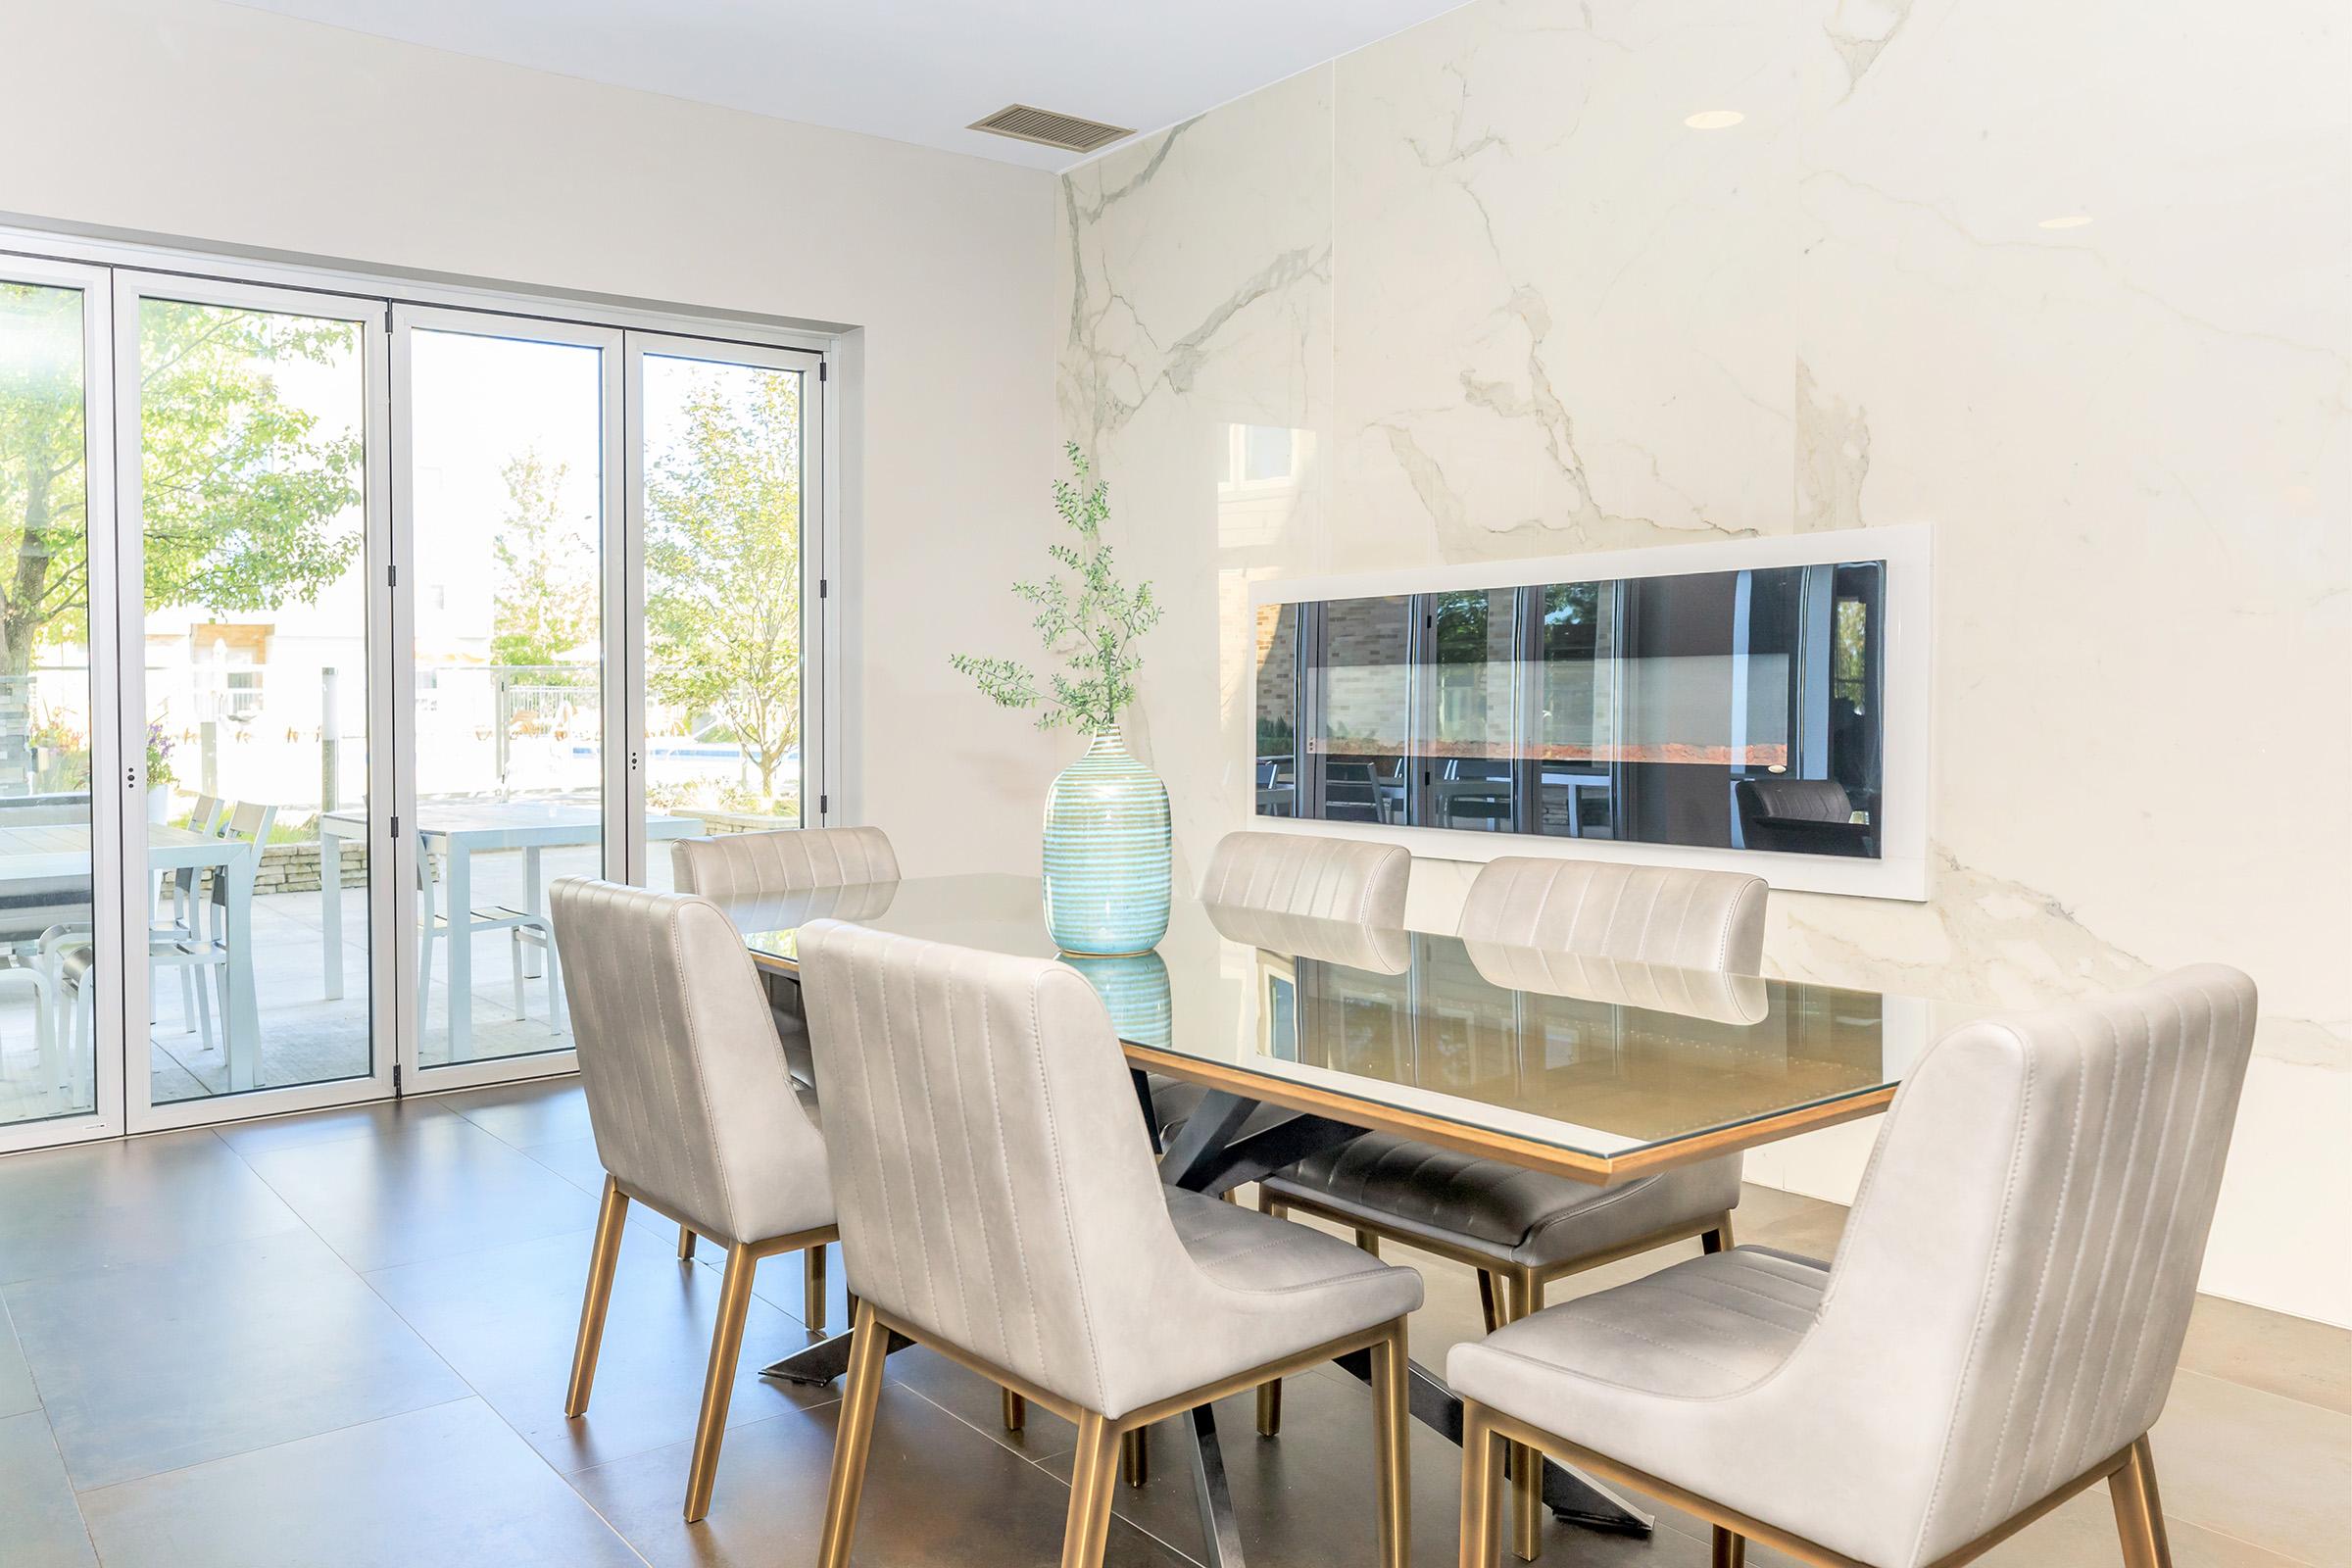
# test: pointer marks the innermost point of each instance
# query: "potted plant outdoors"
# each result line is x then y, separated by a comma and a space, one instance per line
159, 776
1106, 852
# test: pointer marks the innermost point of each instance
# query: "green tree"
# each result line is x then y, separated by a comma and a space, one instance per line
241, 489
546, 590
722, 563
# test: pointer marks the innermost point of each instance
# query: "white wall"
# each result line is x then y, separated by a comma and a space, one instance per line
188, 117
1512, 307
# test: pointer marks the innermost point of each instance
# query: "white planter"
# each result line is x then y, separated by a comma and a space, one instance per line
159, 803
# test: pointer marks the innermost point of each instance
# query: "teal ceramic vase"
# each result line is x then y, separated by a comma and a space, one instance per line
1106, 852
1134, 986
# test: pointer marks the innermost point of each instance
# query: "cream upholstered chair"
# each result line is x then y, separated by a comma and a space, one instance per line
1522, 1229
694, 1111
783, 864
1999, 1330
999, 1204
789, 860
1279, 891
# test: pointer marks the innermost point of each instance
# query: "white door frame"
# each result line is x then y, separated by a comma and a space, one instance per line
104, 1118
135, 881
818, 783
406, 319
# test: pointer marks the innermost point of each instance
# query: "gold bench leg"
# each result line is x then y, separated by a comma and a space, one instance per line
1392, 1424
1134, 1456
1016, 1411
603, 1256
812, 1288
1729, 1550
685, 1244
718, 1383
1525, 1298
1087, 1531
2140, 1511
1482, 1489
1269, 1410
853, 1438
1718, 1240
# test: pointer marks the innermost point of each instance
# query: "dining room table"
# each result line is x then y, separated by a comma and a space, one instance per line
1598, 1070
49, 862
450, 833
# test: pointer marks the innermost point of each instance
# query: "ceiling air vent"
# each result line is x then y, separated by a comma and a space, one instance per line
1049, 129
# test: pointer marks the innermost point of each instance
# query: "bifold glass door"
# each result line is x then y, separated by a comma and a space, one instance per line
722, 478
60, 1044
254, 608
333, 631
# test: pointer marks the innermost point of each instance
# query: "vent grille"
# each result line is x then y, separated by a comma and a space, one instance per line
1049, 129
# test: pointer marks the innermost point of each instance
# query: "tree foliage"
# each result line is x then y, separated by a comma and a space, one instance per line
722, 563
241, 488
1085, 618
546, 601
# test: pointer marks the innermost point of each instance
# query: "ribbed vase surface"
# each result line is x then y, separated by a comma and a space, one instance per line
1106, 852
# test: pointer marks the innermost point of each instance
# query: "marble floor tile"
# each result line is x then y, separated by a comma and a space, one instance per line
40, 1525
544, 1111
938, 1494
451, 1485
2273, 1472
449, 1186
390, 1119
16, 1391
2271, 1350
506, 1318
129, 1200
155, 1366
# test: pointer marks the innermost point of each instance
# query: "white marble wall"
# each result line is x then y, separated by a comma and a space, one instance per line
1511, 305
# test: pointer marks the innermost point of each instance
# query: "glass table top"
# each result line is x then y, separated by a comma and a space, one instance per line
1614, 1065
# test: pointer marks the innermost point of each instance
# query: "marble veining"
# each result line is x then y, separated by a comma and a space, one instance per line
1499, 299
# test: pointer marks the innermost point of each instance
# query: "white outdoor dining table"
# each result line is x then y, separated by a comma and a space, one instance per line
60, 851
460, 830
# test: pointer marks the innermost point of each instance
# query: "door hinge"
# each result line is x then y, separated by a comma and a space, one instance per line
391, 576
396, 827
824, 588
396, 1080
824, 804
825, 371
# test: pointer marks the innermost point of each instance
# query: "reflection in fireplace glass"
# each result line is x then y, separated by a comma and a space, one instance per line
1728, 710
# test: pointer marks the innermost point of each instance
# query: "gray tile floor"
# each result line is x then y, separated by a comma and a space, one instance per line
342, 1338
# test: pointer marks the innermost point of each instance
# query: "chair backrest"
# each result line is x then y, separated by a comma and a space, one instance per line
1802, 799
790, 860
1285, 891
1602, 910
688, 1092
996, 1189
2016, 1278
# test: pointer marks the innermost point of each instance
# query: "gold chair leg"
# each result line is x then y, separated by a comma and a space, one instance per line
1134, 1456
718, 1383
685, 1244
1526, 1297
1729, 1550
1391, 1431
1482, 1489
853, 1438
603, 1256
1266, 1203
1368, 1242
1016, 1411
1486, 1300
1088, 1533
1718, 1240
812, 1288
2139, 1510
1269, 1410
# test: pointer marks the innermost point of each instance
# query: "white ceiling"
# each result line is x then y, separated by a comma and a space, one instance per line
917, 70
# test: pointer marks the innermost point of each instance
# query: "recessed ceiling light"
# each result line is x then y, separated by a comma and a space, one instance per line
2070, 221
1715, 120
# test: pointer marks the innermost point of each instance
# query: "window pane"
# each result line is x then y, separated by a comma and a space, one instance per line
1575, 715
509, 528
1470, 752
47, 1054
252, 513
1276, 691
1363, 675
722, 601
